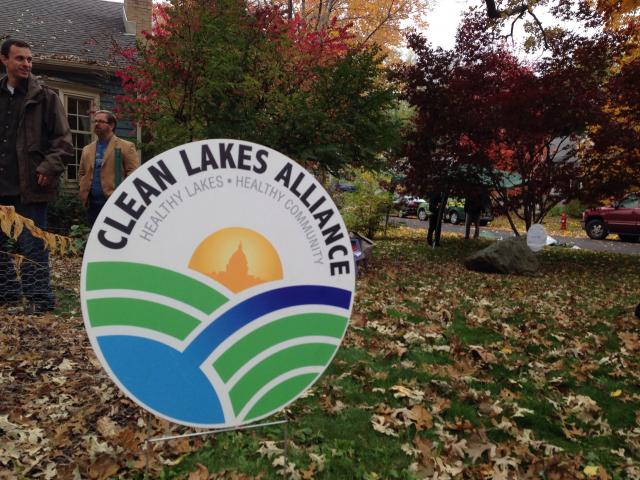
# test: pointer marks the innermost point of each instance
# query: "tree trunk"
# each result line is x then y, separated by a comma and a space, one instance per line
528, 215
492, 11
513, 226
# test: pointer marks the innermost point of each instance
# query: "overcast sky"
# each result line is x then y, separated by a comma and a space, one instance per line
443, 21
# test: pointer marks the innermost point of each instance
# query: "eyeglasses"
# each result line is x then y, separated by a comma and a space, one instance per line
102, 121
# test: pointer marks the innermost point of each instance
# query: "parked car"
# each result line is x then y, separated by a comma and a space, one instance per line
407, 205
454, 212
622, 218
345, 187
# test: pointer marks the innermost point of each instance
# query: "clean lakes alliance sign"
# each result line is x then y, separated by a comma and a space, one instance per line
217, 283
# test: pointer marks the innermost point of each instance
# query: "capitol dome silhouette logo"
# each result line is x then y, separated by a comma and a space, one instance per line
216, 296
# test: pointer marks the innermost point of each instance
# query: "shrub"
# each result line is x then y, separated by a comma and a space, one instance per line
364, 209
66, 210
573, 209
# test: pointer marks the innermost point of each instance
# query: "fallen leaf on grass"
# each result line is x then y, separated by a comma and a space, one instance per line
573, 432
630, 340
329, 407
107, 427
269, 449
200, 473
489, 409
318, 460
425, 447
309, 473
286, 469
409, 450
66, 365
590, 470
480, 353
477, 445
380, 424
421, 417
358, 320
404, 392
103, 467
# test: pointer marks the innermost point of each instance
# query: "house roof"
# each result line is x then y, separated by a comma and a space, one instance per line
75, 31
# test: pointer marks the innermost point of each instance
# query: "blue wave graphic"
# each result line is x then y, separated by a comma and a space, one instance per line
250, 309
171, 382
162, 378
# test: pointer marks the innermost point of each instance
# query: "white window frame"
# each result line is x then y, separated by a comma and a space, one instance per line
79, 92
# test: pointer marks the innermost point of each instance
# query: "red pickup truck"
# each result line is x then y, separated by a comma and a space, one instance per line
622, 218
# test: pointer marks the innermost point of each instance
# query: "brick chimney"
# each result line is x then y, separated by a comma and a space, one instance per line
138, 16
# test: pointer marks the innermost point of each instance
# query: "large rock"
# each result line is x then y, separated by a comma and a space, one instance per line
506, 256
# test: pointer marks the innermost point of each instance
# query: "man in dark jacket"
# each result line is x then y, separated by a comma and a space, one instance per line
435, 199
35, 142
475, 203
472, 211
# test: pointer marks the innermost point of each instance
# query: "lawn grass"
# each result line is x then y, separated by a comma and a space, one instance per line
515, 377
551, 224
443, 373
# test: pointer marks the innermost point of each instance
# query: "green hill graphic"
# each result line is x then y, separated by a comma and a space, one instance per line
112, 311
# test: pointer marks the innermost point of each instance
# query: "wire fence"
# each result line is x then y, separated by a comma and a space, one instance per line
25, 272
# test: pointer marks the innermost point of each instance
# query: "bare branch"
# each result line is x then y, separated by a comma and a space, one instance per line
493, 12
513, 24
544, 35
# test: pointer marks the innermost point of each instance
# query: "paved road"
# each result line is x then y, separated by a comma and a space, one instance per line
612, 244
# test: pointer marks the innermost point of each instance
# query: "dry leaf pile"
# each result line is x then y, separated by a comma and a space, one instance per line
60, 415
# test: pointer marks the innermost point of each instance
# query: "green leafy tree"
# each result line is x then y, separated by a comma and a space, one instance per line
215, 69
364, 209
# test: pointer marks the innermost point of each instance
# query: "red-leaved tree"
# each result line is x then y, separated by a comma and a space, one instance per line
487, 118
612, 155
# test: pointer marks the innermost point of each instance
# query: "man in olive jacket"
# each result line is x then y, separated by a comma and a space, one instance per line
35, 144
98, 164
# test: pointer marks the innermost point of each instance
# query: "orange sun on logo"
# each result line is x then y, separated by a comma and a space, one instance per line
238, 258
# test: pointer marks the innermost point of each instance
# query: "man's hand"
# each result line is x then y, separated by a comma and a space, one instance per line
44, 181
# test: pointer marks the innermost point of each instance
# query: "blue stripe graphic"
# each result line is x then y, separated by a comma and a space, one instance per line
254, 307
160, 377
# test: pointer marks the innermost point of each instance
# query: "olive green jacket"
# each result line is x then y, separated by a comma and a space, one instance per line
43, 142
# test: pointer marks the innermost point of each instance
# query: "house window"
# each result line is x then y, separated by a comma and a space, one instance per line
79, 101
78, 114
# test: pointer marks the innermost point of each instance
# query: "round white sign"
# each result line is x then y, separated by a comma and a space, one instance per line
217, 283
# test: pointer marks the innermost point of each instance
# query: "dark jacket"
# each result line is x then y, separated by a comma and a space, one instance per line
434, 202
473, 205
43, 142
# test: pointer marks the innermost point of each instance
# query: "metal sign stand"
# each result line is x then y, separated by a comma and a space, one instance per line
149, 441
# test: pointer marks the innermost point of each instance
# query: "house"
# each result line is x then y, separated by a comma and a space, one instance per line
73, 48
